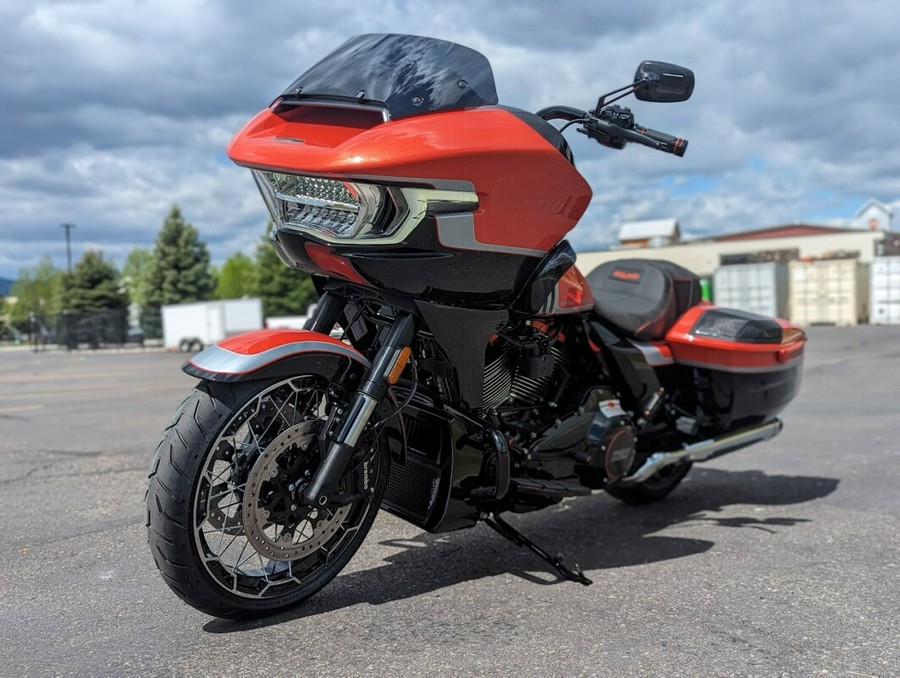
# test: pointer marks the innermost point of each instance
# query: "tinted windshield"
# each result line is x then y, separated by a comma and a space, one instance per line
409, 74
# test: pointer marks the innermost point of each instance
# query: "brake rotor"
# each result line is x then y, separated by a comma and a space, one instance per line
276, 522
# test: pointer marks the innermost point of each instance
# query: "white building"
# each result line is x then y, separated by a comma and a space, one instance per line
703, 257
875, 216
652, 233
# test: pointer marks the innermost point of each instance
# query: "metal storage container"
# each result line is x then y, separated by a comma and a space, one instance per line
885, 291
829, 292
758, 288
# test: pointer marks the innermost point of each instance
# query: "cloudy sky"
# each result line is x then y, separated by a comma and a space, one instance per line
112, 110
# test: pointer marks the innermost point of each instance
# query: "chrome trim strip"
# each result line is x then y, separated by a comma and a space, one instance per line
361, 419
222, 361
439, 184
457, 231
704, 450
652, 354
734, 368
458, 185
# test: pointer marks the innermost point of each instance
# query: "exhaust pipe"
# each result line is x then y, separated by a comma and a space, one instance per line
705, 449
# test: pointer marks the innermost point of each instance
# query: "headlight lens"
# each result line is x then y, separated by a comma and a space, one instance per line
340, 209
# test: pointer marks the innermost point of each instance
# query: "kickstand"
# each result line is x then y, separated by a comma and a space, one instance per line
507, 531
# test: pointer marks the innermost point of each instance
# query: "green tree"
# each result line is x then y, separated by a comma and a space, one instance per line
178, 273
93, 285
5, 332
283, 290
134, 274
95, 304
236, 278
37, 291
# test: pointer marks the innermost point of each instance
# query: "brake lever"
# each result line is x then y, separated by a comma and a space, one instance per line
602, 132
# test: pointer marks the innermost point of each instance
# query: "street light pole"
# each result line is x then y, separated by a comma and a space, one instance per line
68, 228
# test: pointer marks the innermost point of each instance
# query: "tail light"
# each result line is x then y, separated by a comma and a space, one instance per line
733, 325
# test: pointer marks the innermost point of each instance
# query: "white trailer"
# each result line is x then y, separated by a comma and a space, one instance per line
191, 327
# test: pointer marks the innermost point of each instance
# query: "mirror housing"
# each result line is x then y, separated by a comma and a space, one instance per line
662, 82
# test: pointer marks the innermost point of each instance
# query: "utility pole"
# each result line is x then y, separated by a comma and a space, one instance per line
68, 228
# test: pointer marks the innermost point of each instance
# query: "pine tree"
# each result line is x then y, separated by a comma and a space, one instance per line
93, 286
95, 303
236, 278
283, 290
179, 272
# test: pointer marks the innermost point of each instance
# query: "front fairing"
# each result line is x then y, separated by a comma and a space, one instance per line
526, 193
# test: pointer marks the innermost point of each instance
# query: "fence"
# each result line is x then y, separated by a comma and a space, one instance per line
73, 329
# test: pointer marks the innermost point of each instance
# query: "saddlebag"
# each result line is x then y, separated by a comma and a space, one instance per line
739, 368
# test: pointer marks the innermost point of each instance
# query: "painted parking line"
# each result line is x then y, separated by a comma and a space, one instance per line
20, 408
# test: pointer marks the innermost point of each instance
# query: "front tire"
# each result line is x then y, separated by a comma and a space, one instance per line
224, 524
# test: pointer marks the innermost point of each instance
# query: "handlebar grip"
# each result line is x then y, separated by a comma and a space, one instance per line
669, 143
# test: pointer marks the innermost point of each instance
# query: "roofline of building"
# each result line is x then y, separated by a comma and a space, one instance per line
772, 232
876, 203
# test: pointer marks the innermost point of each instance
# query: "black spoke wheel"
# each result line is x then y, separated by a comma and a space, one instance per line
225, 522
656, 487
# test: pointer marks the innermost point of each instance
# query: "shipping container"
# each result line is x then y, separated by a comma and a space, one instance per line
758, 288
829, 292
885, 291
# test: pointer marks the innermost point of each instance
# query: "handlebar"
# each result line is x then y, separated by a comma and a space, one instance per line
614, 127
561, 113
663, 142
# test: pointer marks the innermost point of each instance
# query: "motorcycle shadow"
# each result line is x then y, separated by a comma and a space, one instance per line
597, 532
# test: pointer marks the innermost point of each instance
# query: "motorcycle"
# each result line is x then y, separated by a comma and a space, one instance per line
458, 365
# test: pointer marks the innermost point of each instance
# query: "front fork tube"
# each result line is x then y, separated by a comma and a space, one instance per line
371, 392
326, 315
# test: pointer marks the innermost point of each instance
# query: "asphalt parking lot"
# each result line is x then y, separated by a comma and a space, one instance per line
781, 559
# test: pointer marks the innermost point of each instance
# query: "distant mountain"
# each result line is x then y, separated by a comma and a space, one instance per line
5, 286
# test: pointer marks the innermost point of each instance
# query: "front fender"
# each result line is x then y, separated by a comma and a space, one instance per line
265, 353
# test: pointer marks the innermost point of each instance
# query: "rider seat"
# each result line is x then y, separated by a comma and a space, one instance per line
643, 297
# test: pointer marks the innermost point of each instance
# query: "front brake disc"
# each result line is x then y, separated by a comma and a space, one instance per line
276, 522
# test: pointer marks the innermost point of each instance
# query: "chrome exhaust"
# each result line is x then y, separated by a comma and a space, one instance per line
705, 449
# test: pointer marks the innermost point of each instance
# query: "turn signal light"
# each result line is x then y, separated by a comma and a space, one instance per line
399, 366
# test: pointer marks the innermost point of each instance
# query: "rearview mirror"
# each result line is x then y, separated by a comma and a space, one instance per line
663, 82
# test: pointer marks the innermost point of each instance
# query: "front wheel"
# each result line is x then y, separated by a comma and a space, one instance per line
225, 524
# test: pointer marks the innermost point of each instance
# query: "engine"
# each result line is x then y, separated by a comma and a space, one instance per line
518, 372
523, 377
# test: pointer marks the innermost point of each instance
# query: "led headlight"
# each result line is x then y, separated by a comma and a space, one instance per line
339, 209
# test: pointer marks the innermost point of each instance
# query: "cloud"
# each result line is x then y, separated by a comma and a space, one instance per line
112, 111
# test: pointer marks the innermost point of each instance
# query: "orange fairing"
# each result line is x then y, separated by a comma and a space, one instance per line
529, 195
